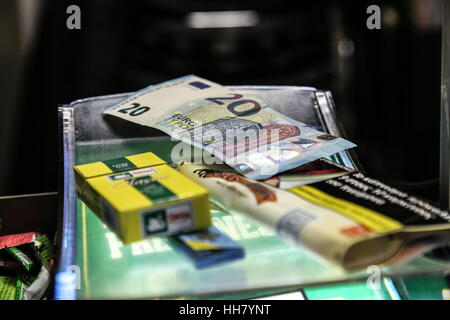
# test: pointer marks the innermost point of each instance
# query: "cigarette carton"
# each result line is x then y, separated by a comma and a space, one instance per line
140, 196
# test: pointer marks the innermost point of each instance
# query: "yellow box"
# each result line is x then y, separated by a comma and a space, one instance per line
140, 196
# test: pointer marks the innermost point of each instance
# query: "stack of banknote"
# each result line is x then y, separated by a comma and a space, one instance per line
230, 127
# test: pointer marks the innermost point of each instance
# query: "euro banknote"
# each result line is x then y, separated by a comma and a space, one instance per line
238, 129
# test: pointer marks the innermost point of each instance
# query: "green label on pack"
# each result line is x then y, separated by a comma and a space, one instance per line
7, 288
44, 248
152, 189
21, 257
154, 222
19, 289
119, 164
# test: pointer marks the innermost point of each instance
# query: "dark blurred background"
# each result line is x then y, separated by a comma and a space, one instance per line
386, 83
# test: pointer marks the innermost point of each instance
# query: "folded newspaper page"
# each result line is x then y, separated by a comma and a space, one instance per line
352, 220
318, 170
238, 129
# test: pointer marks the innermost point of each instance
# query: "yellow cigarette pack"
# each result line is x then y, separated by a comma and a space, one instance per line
140, 196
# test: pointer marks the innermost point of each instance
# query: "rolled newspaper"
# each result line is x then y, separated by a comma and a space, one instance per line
348, 234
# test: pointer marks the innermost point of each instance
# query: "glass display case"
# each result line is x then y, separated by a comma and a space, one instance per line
94, 264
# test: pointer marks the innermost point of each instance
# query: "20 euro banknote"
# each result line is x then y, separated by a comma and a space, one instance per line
238, 129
